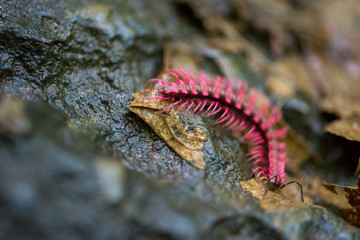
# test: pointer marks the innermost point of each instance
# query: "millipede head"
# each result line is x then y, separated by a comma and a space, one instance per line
274, 184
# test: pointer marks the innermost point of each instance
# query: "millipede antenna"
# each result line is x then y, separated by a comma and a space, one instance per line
301, 189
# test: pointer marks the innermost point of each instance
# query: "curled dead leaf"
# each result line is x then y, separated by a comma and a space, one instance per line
353, 215
352, 194
187, 144
268, 199
347, 128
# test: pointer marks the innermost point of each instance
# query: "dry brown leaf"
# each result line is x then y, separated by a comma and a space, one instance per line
324, 194
353, 215
340, 19
349, 129
340, 90
271, 199
352, 195
342, 104
288, 75
225, 34
187, 144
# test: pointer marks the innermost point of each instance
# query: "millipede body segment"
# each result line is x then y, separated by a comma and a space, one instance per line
235, 108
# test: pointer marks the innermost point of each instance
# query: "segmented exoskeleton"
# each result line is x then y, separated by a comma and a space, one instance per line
237, 109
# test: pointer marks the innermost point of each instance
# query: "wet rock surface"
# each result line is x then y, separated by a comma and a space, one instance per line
75, 163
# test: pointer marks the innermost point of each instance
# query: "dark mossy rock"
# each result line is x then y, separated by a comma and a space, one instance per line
75, 163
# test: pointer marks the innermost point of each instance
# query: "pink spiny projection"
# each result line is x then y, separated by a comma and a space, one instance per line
236, 109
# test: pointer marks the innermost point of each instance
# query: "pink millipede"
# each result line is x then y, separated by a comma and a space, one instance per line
235, 108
